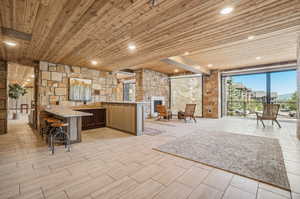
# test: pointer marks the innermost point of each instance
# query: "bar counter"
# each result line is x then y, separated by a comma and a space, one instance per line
73, 118
124, 116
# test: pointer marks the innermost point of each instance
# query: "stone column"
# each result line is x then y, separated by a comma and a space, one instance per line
3, 97
298, 86
211, 95
139, 90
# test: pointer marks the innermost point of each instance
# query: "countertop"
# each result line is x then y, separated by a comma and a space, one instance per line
66, 112
124, 102
87, 108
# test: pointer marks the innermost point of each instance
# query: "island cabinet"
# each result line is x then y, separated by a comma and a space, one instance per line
125, 116
97, 120
122, 117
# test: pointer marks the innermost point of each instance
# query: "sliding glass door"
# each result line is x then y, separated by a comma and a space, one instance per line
284, 92
243, 95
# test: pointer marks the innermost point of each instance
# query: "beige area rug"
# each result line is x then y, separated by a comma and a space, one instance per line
259, 158
152, 131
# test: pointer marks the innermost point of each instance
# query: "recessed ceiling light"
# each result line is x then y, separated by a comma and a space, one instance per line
176, 70
10, 43
131, 47
32, 76
28, 80
258, 58
251, 37
226, 10
186, 53
209, 65
94, 62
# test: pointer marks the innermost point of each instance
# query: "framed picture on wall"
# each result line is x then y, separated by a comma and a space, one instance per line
80, 89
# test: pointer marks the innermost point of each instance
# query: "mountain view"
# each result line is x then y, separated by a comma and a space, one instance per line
284, 97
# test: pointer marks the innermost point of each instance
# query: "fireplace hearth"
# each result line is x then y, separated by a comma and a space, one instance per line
156, 100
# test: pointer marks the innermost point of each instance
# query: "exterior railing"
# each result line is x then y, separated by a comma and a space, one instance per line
248, 108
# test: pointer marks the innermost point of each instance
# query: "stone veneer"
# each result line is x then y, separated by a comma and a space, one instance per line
211, 95
3, 97
54, 83
151, 83
53, 86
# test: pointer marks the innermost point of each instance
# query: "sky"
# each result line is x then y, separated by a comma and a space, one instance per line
281, 82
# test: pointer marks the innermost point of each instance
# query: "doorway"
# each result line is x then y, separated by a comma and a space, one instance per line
129, 90
21, 89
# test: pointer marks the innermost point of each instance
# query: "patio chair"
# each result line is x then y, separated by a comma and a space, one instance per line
189, 112
270, 112
163, 112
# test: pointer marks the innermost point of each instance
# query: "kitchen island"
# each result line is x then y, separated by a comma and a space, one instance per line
96, 120
124, 116
73, 118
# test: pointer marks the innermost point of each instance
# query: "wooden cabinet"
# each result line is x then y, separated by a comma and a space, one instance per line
98, 119
122, 117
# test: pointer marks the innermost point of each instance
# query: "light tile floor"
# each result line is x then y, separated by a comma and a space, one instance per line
112, 164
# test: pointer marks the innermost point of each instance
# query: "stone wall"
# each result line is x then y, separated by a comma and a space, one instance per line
211, 95
54, 83
151, 83
186, 90
3, 97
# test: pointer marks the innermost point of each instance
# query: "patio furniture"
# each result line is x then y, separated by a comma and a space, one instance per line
163, 112
189, 112
270, 112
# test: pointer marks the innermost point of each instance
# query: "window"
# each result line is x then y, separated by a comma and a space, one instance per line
129, 91
243, 95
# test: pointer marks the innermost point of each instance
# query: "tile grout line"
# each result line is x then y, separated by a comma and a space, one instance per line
227, 187
66, 193
43, 192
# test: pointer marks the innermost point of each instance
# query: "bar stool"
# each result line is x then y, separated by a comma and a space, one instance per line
59, 135
47, 130
48, 121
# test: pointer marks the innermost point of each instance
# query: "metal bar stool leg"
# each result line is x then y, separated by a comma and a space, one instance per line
52, 143
60, 135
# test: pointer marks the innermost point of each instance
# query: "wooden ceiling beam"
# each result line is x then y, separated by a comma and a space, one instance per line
186, 64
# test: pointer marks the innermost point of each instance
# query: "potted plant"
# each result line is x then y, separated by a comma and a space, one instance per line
15, 92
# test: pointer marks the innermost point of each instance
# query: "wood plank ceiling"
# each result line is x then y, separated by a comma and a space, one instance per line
274, 48
160, 67
75, 32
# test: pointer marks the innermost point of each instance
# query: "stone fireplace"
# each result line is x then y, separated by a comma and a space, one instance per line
156, 100
150, 86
